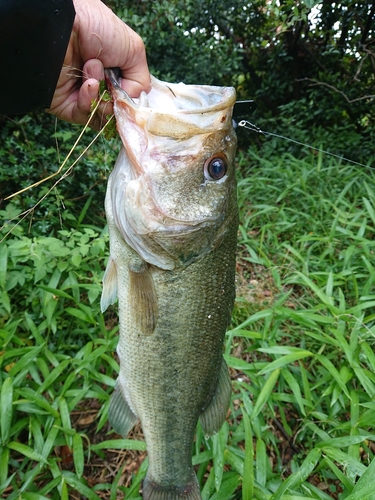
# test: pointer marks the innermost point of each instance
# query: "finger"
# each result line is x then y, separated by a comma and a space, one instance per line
93, 68
134, 70
135, 84
76, 108
87, 95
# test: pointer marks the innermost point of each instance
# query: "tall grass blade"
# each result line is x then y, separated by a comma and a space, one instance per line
6, 409
78, 457
298, 477
366, 483
265, 393
248, 468
219, 442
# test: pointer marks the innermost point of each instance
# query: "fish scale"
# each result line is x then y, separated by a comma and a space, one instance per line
172, 319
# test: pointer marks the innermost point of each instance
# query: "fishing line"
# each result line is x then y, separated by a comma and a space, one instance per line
250, 126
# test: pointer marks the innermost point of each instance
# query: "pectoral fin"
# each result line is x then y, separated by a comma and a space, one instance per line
109, 292
214, 415
143, 299
120, 415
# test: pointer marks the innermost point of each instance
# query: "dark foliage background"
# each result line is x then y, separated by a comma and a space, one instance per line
310, 65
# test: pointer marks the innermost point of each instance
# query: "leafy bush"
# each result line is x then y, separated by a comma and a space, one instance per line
33, 148
294, 131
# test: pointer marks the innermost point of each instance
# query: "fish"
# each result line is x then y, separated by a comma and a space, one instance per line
172, 218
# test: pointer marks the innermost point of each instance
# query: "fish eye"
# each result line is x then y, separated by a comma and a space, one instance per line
216, 167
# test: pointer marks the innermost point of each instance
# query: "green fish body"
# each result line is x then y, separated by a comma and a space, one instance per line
172, 217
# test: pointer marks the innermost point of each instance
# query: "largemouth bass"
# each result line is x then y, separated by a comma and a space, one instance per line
172, 217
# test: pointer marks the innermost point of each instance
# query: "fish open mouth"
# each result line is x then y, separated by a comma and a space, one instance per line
175, 110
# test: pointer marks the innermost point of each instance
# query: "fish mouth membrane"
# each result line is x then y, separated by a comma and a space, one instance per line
209, 103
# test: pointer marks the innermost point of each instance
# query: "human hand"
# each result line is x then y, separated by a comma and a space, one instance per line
99, 40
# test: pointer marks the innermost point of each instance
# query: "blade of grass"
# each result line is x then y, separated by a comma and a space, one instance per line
265, 393
6, 409
295, 479
248, 469
219, 442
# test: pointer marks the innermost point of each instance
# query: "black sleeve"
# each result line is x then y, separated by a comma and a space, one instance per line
34, 36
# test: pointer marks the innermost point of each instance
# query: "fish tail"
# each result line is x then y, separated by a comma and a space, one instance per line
155, 491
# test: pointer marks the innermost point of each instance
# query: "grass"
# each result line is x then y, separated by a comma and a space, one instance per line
300, 350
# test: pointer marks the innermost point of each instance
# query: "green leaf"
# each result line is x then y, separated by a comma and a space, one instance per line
266, 313
340, 475
369, 353
324, 298
3, 264
219, 442
64, 489
365, 381
365, 487
248, 468
56, 291
332, 370
6, 409
5, 301
51, 440
76, 259
37, 400
33, 496
261, 462
229, 485
26, 451
298, 477
370, 209
51, 485
55, 373
82, 315
344, 442
78, 455
236, 462
36, 432
293, 384
365, 493
237, 364
79, 485
4, 462
344, 459
265, 393
120, 444
285, 360
203, 457
28, 355
209, 486
244, 333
